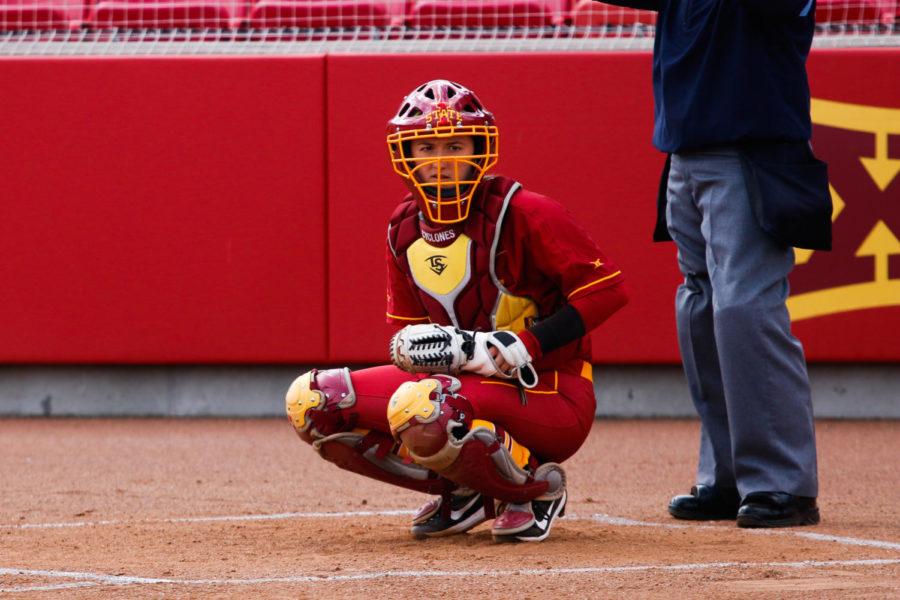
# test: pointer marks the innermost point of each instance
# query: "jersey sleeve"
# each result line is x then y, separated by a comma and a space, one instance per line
403, 305
565, 253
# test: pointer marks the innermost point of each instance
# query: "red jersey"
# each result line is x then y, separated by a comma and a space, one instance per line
518, 258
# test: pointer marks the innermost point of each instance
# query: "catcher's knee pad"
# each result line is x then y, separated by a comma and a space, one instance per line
315, 402
316, 405
437, 426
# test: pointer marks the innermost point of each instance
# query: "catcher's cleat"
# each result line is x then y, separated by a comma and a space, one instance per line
514, 518
524, 523
436, 519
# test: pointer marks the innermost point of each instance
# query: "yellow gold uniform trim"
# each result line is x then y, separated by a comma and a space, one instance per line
587, 371
512, 385
519, 453
602, 279
399, 318
483, 423
527, 391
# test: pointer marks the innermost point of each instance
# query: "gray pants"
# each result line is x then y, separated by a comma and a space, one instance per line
746, 372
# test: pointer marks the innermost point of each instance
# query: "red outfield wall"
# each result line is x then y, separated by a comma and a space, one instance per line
159, 210
170, 210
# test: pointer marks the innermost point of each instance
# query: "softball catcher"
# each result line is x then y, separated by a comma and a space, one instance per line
496, 289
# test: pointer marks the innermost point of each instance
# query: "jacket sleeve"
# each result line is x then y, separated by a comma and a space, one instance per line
784, 9
641, 4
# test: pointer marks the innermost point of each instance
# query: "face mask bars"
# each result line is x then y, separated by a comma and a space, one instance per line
441, 206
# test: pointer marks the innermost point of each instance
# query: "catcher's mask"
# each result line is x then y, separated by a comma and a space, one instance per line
443, 109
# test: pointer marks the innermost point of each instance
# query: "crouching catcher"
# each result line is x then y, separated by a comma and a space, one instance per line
496, 288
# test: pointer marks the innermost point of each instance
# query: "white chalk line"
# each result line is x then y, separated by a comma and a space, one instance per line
47, 588
213, 519
120, 580
598, 517
819, 537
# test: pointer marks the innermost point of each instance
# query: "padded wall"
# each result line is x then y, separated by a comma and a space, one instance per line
204, 210
162, 210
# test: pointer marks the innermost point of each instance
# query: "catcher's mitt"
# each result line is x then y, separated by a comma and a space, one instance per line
434, 348
431, 349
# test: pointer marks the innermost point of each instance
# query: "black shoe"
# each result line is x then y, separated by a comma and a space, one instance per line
706, 503
777, 509
465, 512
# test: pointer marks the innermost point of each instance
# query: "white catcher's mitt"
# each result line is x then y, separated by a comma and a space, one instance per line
442, 349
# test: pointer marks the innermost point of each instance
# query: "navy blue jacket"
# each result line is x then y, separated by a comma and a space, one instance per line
729, 71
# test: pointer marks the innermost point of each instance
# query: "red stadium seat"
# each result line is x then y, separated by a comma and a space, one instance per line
488, 13
890, 12
588, 13
169, 14
20, 15
849, 12
315, 14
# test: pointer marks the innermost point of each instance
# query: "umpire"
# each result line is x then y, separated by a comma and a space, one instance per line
739, 189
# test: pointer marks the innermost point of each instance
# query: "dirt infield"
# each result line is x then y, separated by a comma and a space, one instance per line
216, 508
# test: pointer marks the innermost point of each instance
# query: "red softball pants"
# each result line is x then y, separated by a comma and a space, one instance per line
552, 420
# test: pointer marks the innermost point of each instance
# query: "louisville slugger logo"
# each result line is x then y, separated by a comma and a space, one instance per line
859, 143
436, 263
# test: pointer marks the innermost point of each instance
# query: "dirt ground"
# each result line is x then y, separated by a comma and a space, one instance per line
241, 508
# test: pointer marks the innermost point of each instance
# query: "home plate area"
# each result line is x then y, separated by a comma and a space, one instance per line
242, 509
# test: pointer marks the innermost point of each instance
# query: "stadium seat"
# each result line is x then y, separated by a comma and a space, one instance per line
587, 13
849, 12
890, 12
315, 14
41, 15
169, 14
488, 13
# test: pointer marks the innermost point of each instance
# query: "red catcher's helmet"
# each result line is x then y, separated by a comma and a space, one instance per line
443, 109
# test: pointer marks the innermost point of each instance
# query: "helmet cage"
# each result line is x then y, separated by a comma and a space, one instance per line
446, 200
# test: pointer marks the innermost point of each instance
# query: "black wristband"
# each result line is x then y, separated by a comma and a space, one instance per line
560, 328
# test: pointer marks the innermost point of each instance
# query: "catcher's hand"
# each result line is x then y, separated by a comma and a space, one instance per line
442, 349
514, 353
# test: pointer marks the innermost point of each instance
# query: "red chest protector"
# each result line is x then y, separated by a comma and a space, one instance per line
453, 272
